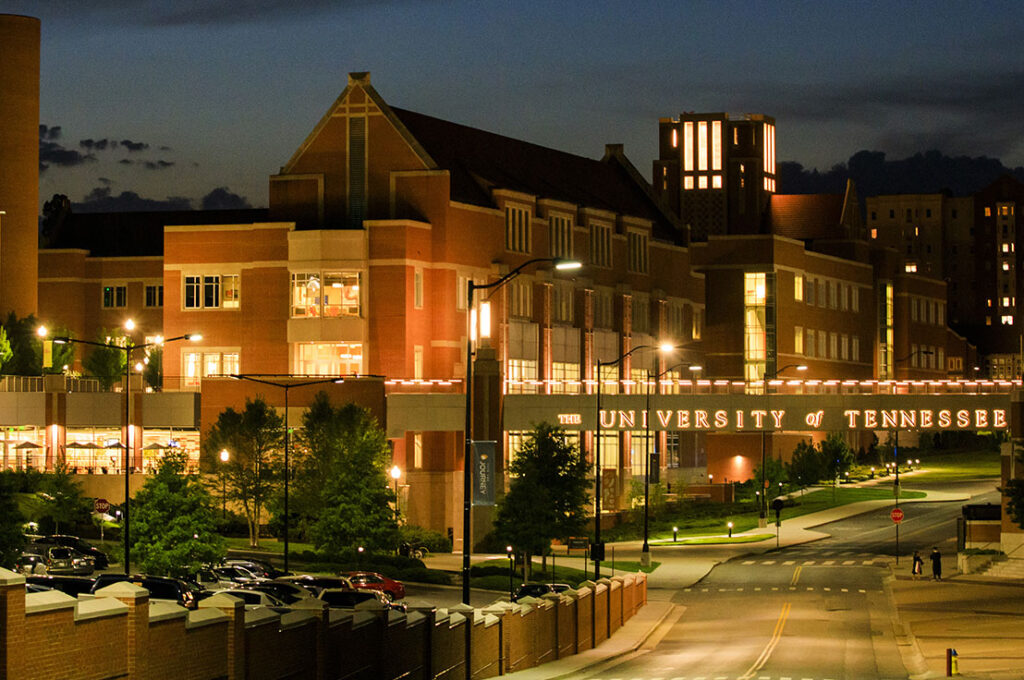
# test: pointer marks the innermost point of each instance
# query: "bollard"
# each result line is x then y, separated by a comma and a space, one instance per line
675, 534
952, 663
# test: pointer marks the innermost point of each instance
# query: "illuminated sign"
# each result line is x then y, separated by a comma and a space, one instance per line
780, 419
570, 419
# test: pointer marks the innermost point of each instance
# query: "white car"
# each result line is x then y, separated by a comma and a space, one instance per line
253, 598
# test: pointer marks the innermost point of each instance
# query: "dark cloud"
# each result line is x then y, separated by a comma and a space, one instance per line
975, 113
98, 144
157, 165
134, 146
126, 161
105, 181
52, 153
222, 199
101, 199
164, 148
49, 133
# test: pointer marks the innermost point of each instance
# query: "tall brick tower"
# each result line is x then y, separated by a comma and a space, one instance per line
19, 164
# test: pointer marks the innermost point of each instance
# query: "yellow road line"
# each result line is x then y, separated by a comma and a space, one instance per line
772, 644
796, 576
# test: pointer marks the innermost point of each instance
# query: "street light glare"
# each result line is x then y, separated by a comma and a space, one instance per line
666, 347
42, 331
801, 367
566, 265
224, 455
395, 472
193, 336
696, 368
129, 325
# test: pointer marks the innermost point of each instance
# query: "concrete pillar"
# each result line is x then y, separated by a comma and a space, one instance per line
136, 626
19, 164
12, 626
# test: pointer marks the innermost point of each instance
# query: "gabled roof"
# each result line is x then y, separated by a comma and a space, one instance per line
137, 234
807, 216
479, 161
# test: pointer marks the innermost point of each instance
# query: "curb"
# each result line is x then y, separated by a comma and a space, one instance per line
910, 652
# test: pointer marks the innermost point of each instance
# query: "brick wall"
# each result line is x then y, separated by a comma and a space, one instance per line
119, 633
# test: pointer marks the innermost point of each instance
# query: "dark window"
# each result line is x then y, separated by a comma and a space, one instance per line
154, 296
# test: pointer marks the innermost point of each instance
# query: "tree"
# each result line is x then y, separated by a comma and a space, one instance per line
174, 522
107, 363
27, 347
63, 501
12, 537
775, 472
5, 348
253, 437
837, 455
807, 466
344, 494
548, 493
153, 373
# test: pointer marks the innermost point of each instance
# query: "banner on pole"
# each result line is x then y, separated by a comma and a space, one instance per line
484, 453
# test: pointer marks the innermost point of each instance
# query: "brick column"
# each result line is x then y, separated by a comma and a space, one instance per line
235, 611
12, 625
136, 626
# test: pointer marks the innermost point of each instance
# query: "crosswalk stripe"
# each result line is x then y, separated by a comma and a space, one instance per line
829, 562
848, 562
810, 588
775, 587
788, 563
739, 590
861, 590
748, 561
846, 590
757, 589
768, 562
809, 562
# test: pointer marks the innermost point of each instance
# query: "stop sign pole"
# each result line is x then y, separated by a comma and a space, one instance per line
896, 515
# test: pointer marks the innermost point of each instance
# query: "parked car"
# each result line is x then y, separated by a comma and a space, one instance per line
289, 593
72, 585
538, 589
61, 560
315, 584
258, 567
35, 588
225, 576
253, 598
99, 557
160, 587
339, 598
371, 580
30, 563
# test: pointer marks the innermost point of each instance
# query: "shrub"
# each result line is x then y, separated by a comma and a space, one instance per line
418, 537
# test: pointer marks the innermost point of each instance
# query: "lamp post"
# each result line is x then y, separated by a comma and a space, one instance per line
467, 471
127, 349
396, 473
645, 555
286, 386
896, 450
762, 505
597, 552
224, 456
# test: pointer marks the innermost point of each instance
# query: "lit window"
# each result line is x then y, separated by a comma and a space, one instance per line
736, 140
910, 267
798, 340
417, 288
565, 373
1006, 247
702, 182
330, 294
417, 450
716, 146
417, 362
798, 287
688, 147
702, 147
988, 212
1006, 301
874, 233
675, 138
716, 182
336, 358
1006, 320
518, 372
1006, 266
688, 182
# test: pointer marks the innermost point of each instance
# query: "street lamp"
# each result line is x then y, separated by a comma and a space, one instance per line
762, 506
264, 380
127, 349
645, 555
597, 553
467, 471
224, 456
396, 473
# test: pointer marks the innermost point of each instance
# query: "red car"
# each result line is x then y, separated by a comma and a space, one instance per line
370, 580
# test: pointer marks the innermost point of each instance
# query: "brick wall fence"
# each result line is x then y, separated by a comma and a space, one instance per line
119, 633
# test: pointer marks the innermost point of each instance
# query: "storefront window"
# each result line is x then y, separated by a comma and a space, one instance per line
335, 358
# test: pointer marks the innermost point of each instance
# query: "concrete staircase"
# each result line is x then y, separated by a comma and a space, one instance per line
1010, 569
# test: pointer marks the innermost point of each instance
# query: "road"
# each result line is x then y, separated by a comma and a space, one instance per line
817, 611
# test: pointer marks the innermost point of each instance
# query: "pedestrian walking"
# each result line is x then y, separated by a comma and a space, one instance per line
917, 568
936, 564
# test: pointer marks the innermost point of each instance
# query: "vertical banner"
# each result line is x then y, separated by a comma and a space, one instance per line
484, 453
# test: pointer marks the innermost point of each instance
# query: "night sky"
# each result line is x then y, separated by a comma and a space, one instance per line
172, 99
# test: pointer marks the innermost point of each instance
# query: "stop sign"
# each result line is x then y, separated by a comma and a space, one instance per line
896, 515
100, 505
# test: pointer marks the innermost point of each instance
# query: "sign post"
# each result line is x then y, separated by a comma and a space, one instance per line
101, 506
897, 516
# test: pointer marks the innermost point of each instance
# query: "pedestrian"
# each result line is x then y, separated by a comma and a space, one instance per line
936, 564
918, 566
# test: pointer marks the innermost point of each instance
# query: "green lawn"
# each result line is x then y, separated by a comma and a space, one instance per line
959, 465
271, 546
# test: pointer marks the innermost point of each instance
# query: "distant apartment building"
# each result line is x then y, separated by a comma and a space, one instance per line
716, 172
970, 242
